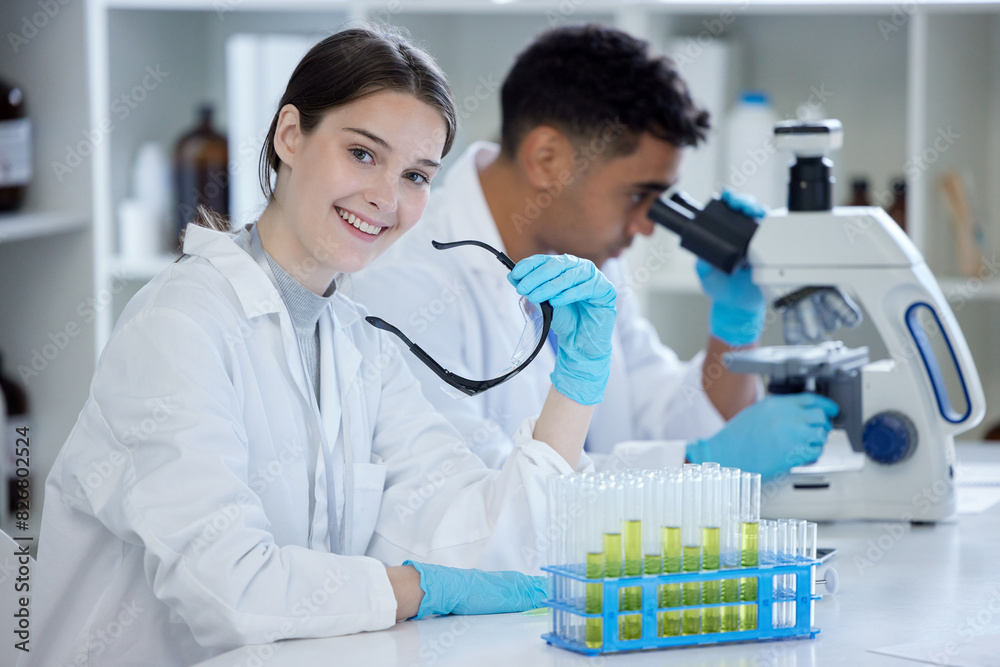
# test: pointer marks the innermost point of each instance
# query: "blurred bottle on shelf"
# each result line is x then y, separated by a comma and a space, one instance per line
143, 219
201, 161
897, 209
752, 165
859, 192
17, 420
15, 147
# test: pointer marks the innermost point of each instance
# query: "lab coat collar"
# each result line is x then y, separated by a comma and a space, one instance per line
255, 291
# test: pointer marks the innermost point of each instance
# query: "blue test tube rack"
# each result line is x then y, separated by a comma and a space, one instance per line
801, 568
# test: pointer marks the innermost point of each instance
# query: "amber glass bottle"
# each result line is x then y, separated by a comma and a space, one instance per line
201, 160
897, 209
859, 193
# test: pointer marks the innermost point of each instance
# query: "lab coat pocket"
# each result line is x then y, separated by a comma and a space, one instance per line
369, 483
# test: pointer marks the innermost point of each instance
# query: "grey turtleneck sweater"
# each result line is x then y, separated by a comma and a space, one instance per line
303, 305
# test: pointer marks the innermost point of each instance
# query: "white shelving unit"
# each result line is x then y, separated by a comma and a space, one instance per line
46, 263
897, 74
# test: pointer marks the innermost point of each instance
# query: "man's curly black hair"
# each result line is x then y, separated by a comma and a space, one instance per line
579, 79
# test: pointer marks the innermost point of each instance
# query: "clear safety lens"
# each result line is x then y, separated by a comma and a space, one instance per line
530, 335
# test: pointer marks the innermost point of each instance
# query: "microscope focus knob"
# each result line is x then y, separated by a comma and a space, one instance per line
889, 437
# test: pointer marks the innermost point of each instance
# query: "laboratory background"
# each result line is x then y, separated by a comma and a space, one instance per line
119, 117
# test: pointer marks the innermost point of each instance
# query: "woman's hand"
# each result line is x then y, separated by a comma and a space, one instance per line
583, 302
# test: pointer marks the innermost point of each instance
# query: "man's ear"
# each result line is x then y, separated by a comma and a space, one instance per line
288, 134
545, 156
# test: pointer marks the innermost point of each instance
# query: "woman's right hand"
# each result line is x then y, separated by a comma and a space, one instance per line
583, 302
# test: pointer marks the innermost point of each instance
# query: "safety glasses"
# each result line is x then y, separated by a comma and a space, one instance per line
537, 319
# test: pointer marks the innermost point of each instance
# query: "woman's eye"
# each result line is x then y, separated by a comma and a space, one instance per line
361, 155
637, 198
417, 178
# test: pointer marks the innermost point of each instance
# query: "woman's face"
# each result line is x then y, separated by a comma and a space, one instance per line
354, 185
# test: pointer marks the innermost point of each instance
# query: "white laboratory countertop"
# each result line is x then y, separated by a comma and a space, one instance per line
898, 584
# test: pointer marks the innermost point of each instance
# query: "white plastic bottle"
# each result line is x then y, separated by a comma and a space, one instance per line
752, 165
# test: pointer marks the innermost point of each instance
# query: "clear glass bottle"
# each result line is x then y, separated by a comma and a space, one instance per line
15, 147
201, 170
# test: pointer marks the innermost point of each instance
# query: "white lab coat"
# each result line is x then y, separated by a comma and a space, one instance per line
177, 515
466, 317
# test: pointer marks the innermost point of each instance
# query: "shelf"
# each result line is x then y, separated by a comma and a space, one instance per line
34, 225
141, 269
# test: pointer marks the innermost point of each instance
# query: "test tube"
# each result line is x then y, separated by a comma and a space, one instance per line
730, 547
750, 519
652, 549
669, 622
691, 539
768, 557
630, 598
810, 553
595, 491
711, 534
785, 550
556, 553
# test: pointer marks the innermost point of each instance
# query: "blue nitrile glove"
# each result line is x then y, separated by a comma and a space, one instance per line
451, 590
583, 317
737, 316
772, 436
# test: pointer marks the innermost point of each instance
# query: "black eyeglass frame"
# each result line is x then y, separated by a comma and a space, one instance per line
465, 385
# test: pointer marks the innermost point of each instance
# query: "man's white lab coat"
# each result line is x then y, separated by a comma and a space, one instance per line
179, 514
458, 306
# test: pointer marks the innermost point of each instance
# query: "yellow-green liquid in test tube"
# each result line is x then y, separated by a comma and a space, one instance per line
630, 626
592, 542
691, 549
669, 595
630, 599
750, 514
711, 591
594, 631
711, 532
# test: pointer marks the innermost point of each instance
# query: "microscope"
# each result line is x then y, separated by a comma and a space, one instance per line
815, 263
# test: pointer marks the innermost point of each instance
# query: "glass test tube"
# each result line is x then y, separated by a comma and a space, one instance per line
784, 548
749, 519
652, 550
630, 599
595, 493
669, 622
810, 553
768, 532
691, 540
711, 534
555, 554
730, 547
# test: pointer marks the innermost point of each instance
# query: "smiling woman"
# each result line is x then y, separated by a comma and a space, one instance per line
295, 468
